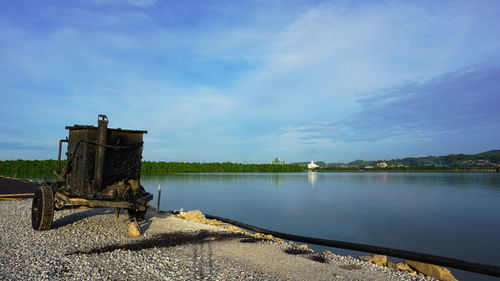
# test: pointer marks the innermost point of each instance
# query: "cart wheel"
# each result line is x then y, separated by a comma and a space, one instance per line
42, 210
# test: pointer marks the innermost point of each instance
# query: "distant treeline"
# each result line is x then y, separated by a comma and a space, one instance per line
160, 168
440, 163
379, 169
28, 167
486, 160
45, 167
452, 160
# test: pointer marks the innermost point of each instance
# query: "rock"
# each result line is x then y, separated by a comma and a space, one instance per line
435, 271
264, 236
194, 215
235, 228
216, 223
133, 229
375, 259
199, 217
304, 246
327, 252
399, 266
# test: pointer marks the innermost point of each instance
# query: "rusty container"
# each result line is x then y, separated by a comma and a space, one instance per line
103, 170
101, 158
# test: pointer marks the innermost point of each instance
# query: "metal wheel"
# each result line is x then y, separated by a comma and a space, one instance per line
42, 210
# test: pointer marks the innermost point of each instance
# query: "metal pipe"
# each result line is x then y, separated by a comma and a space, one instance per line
100, 151
159, 196
488, 269
59, 154
62, 196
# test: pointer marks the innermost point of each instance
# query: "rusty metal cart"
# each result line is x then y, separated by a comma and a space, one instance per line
102, 170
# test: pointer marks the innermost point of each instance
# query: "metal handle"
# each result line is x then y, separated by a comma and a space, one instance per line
59, 154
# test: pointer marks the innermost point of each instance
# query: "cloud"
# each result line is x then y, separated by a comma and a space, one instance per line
452, 102
317, 67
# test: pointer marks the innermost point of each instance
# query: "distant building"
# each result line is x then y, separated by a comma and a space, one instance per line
381, 165
278, 161
312, 165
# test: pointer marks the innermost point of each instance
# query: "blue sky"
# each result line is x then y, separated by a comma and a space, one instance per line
245, 81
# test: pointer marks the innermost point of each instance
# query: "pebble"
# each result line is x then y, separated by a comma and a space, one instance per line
89, 245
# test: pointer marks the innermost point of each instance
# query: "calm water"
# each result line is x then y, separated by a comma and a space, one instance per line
450, 214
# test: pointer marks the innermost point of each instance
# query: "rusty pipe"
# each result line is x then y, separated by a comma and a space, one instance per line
102, 128
59, 154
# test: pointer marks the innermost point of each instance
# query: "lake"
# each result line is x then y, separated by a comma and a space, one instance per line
450, 214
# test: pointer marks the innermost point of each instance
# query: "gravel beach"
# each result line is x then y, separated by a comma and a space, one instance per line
94, 245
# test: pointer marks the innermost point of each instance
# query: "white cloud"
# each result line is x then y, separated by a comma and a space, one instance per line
319, 65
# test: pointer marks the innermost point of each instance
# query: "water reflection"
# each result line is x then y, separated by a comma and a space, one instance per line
312, 178
383, 178
278, 179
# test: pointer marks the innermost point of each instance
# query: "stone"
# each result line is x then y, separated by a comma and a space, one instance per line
304, 246
327, 252
259, 235
399, 266
194, 215
235, 228
435, 271
133, 229
216, 223
375, 259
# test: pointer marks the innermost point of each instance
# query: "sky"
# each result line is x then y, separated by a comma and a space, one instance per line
247, 81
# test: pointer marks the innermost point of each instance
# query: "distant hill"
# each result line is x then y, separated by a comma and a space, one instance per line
491, 153
485, 159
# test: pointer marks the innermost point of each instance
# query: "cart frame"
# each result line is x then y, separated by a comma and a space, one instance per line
102, 171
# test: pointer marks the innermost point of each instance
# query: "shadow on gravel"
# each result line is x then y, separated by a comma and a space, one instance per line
251, 240
166, 240
297, 251
72, 218
350, 266
318, 259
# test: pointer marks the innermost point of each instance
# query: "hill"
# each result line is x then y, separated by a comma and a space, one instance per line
487, 159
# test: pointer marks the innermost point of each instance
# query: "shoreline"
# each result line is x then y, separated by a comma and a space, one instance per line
49, 176
80, 240
409, 170
171, 248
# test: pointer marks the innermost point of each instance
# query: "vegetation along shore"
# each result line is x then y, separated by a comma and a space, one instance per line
482, 162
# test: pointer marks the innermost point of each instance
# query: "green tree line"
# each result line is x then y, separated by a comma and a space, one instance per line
160, 168
45, 167
28, 167
375, 169
488, 158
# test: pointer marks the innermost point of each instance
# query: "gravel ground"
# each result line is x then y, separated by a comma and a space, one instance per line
94, 245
